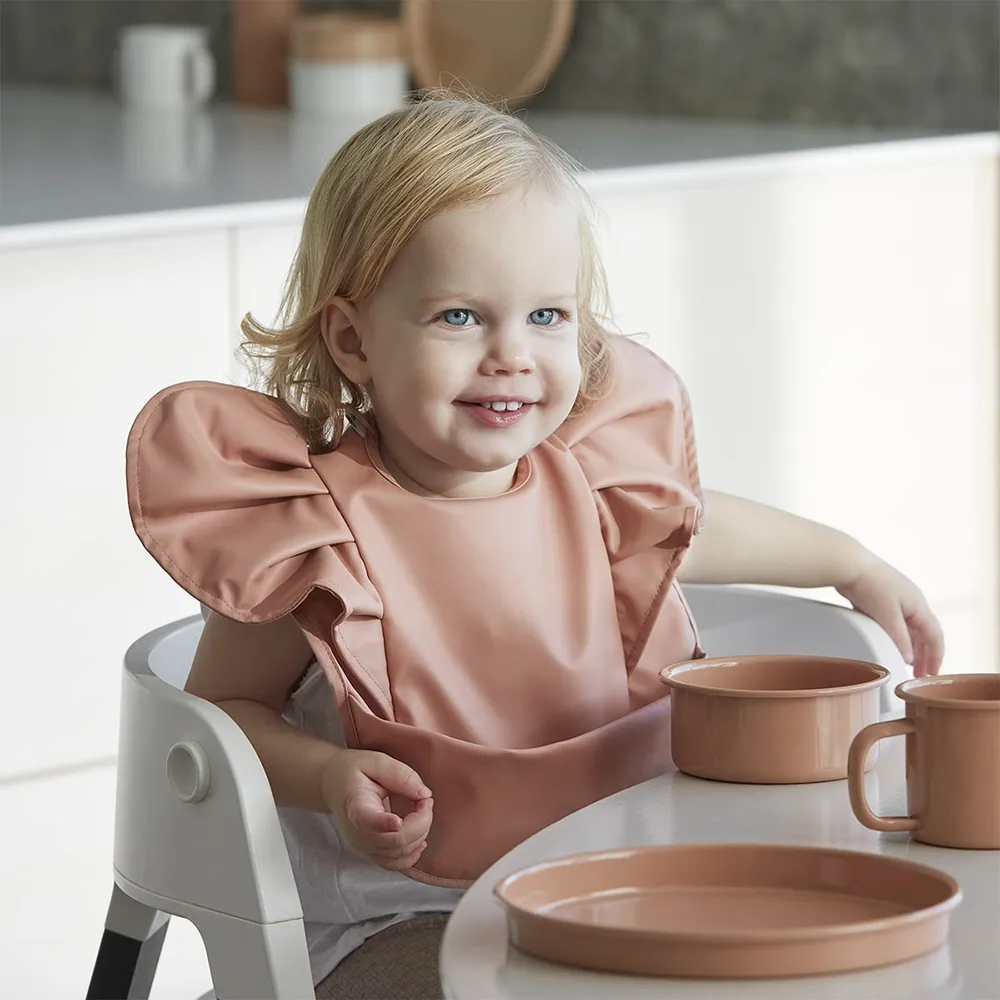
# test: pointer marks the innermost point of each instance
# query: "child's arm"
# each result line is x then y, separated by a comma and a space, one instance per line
249, 672
746, 542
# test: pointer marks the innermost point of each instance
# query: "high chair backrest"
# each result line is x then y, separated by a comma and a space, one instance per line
187, 775
169, 656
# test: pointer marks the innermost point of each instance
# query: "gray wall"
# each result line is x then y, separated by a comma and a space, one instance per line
924, 63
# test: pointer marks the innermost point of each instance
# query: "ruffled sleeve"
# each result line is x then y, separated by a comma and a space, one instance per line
636, 447
223, 495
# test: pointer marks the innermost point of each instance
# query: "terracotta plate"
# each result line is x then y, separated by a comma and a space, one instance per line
728, 911
496, 48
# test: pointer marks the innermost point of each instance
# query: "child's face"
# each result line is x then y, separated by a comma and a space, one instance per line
480, 305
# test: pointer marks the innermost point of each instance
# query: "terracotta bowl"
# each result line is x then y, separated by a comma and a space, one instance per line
770, 720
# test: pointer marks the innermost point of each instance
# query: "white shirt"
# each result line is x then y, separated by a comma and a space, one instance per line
346, 898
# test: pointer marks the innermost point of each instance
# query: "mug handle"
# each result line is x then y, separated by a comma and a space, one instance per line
860, 746
115, 68
201, 75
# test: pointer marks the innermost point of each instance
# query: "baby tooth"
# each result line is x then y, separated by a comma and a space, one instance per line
499, 406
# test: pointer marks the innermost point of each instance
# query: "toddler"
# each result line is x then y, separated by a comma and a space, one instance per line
442, 550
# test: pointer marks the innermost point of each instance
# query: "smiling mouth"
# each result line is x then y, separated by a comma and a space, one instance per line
501, 406
496, 412
497, 404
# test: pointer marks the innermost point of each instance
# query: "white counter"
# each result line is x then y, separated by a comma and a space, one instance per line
74, 165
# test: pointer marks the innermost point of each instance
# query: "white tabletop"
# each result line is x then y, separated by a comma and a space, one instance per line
477, 964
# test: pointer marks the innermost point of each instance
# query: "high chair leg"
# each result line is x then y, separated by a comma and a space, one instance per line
130, 950
247, 959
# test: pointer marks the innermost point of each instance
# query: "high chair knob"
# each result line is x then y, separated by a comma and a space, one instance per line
188, 771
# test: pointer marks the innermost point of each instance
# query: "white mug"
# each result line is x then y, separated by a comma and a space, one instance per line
164, 66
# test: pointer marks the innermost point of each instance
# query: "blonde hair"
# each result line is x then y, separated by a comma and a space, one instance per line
388, 179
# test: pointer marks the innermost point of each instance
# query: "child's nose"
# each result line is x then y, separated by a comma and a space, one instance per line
509, 354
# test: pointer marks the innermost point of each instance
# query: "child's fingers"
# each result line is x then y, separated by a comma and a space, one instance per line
890, 617
369, 811
935, 655
377, 830
382, 823
401, 863
393, 844
402, 843
417, 823
928, 640
396, 853
365, 811
414, 829
921, 658
398, 844
394, 776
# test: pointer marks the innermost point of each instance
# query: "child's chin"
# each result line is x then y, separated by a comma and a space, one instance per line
494, 461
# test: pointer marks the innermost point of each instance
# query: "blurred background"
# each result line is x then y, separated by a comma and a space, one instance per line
798, 208
928, 64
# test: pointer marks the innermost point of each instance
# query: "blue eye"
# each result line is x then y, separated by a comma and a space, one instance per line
457, 317
544, 317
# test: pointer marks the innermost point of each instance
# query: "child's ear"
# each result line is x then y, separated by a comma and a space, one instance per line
339, 323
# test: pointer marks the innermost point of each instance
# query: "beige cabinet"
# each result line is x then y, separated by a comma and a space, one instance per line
88, 332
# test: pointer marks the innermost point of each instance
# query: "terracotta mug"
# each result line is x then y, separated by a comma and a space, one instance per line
952, 729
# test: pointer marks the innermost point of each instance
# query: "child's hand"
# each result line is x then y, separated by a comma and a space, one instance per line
896, 603
358, 785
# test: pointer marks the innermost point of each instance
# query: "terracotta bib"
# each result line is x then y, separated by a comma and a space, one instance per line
507, 648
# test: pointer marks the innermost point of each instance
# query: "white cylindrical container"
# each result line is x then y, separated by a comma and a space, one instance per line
347, 64
164, 66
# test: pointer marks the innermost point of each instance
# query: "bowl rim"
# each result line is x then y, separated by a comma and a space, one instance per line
670, 677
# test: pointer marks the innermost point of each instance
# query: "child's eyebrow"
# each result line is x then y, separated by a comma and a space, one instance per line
441, 298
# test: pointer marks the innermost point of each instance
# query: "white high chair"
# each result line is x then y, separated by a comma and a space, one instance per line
197, 832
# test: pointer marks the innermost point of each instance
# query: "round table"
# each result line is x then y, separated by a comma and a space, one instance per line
478, 964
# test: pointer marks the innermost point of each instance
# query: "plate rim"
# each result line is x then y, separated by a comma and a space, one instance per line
734, 938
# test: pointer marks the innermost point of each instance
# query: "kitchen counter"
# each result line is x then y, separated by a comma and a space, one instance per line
75, 165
